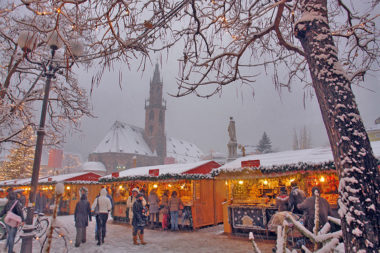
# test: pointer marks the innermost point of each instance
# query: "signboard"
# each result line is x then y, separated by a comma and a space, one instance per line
154, 172
250, 163
115, 174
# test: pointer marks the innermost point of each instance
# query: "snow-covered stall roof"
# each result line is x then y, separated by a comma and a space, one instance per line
182, 151
124, 138
15, 182
94, 166
165, 171
72, 177
291, 160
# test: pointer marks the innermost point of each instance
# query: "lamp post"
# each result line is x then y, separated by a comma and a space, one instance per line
49, 68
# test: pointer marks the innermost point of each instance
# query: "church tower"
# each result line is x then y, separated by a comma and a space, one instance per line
155, 108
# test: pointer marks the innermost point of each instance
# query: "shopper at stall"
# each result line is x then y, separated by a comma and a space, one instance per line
101, 206
175, 204
282, 201
14, 206
81, 216
296, 197
154, 214
164, 209
308, 207
139, 220
130, 201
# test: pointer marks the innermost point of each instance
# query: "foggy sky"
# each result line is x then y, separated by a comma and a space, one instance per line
204, 121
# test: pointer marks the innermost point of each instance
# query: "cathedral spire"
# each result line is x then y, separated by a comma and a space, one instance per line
156, 75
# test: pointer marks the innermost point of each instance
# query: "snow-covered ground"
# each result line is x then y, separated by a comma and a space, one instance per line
119, 239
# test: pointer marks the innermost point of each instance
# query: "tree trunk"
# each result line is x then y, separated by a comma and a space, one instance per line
353, 156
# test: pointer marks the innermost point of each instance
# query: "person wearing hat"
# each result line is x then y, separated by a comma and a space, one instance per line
296, 196
282, 200
130, 201
139, 219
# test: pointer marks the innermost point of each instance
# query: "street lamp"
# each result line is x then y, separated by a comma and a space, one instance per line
49, 68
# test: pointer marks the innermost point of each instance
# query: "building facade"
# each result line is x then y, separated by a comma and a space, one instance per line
127, 146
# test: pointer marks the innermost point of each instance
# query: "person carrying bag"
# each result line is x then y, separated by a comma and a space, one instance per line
14, 217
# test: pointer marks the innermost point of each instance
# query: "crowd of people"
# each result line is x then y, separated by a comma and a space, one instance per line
141, 211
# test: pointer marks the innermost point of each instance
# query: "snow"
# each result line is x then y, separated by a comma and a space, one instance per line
125, 138
119, 240
311, 156
61, 178
183, 151
163, 169
94, 166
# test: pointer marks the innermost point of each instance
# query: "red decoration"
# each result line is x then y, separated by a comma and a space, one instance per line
85, 177
115, 174
154, 172
250, 163
203, 169
50, 179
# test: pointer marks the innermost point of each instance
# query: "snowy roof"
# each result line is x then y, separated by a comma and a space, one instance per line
182, 151
373, 127
309, 156
173, 169
61, 178
20, 181
94, 166
125, 138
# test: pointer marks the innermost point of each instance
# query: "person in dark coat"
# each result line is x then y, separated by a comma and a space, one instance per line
139, 220
282, 201
81, 216
296, 197
17, 209
308, 207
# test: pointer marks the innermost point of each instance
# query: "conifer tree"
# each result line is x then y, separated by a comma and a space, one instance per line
19, 163
265, 144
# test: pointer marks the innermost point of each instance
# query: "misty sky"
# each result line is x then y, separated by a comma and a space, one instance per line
204, 121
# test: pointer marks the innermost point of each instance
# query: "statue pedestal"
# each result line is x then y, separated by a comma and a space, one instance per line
232, 150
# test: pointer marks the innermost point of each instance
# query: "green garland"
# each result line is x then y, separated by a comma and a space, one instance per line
158, 178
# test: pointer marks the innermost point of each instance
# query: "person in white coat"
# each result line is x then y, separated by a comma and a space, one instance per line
101, 207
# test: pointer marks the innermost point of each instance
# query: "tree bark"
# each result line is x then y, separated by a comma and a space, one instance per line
353, 156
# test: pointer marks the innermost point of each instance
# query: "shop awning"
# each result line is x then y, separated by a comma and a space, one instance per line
288, 161
197, 170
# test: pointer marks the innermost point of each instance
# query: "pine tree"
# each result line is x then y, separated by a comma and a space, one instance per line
19, 163
265, 144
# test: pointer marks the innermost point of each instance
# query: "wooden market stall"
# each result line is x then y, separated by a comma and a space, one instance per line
193, 183
254, 182
46, 189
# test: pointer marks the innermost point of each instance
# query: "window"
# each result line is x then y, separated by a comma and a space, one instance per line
151, 115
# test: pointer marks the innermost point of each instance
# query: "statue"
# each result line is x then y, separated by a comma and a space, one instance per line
232, 144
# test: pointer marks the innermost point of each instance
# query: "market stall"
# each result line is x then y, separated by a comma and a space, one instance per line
193, 183
254, 182
46, 189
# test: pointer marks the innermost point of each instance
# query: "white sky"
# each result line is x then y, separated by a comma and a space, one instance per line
204, 121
